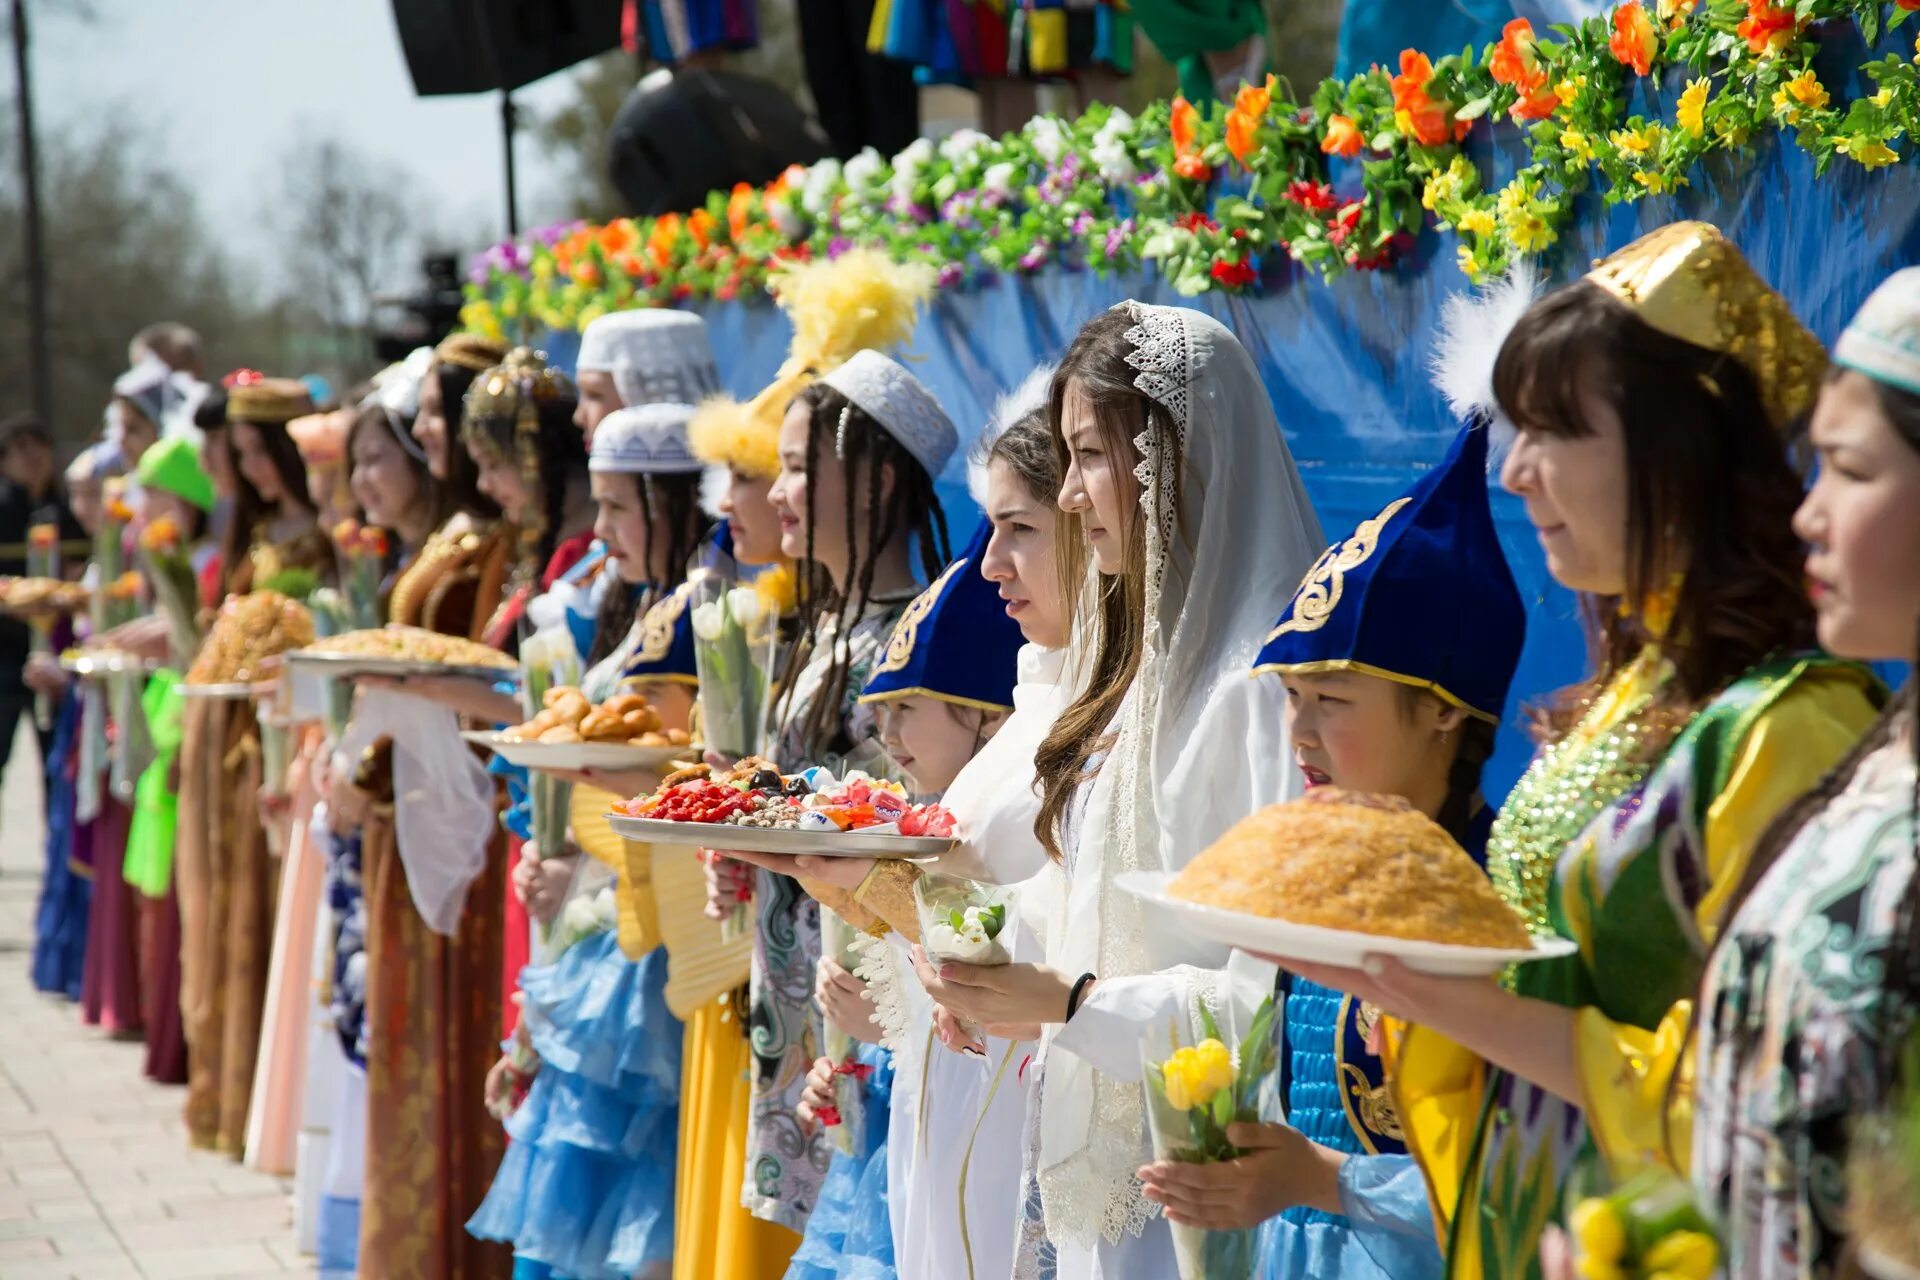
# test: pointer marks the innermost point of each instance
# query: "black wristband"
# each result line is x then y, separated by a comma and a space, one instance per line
1073, 997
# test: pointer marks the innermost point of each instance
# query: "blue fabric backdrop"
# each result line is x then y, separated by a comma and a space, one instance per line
1346, 363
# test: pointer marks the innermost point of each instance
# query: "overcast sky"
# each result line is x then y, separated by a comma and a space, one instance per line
223, 86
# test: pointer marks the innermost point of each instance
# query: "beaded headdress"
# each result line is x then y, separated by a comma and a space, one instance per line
1689, 282
513, 392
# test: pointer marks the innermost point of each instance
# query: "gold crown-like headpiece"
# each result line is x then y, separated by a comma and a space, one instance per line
470, 351
515, 386
268, 401
1689, 282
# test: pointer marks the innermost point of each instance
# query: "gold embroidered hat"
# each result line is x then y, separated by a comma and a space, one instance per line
955, 642
268, 401
471, 352
1689, 282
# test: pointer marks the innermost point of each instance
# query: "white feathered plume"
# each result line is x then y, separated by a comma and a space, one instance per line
1473, 328
713, 487
1009, 408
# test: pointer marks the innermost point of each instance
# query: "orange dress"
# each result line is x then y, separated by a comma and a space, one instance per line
433, 1002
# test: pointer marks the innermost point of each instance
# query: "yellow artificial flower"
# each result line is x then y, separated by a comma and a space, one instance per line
1598, 1230
1657, 182
1469, 265
1477, 221
1693, 108
1530, 233
1799, 95
1869, 153
1916, 48
1688, 1255
1732, 132
1440, 188
543, 268
1883, 99
1569, 87
1637, 143
1578, 143
1593, 1269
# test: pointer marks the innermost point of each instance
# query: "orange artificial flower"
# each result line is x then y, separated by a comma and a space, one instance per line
1243, 122
373, 541
1181, 124
1635, 41
1343, 137
616, 236
43, 536
1516, 59
666, 229
124, 587
1768, 28
739, 210
701, 225
1415, 112
119, 512
1192, 168
346, 533
630, 264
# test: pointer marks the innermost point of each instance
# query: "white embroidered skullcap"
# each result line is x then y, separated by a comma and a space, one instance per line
645, 439
901, 404
654, 355
1883, 338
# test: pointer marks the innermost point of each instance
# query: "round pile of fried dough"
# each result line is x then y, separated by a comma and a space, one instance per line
1365, 864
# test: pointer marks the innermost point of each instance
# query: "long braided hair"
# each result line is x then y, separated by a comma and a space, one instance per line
874, 520
677, 497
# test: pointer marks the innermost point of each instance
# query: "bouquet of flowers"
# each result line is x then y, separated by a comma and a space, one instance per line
734, 636
1650, 1226
362, 551
330, 618
1193, 1094
961, 920
840, 941
43, 561
117, 599
548, 658
175, 589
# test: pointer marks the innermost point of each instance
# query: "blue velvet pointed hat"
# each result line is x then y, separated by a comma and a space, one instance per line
1420, 594
955, 642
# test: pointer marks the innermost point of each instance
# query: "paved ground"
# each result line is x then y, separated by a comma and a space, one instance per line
96, 1180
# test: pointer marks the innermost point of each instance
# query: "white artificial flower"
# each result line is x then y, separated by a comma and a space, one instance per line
918, 155
1048, 138
708, 621
816, 191
963, 147
745, 605
1115, 165
945, 187
579, 917
1115, 126
998, 179
863, 169
785, 220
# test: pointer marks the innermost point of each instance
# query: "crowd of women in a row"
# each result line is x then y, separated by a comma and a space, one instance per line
1148, 639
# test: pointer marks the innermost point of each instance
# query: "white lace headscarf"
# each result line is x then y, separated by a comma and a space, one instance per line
1195, 748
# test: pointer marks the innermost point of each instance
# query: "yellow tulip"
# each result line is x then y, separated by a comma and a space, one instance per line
1598, 1230
1214, 1064
1689, 1255
1178, 1082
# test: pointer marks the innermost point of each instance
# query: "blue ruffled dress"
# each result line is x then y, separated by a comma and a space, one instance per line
66, 895
586, 1189
850, 1235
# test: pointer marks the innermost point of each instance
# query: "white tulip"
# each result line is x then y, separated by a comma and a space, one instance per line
709, 621
861, 171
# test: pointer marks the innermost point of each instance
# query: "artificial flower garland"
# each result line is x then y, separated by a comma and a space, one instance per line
1221, 201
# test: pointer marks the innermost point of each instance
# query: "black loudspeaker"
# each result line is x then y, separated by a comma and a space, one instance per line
477, 46
682, 134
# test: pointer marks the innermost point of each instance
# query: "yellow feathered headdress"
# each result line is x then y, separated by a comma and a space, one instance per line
862, 299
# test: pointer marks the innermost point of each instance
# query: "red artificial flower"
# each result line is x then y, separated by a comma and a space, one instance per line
1234, 275
739, 210
1346, 224
1769, 28
1425, 119
1195, 222
1314, 197
1635, 41
828, 1116
1343, 137
1912, 6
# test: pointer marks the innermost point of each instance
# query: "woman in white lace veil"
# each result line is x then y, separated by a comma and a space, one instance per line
1170, 745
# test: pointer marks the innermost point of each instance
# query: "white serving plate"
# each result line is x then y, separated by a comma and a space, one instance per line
232, 692
348, 664
572, 757
830, 844
105, 662
1340, 947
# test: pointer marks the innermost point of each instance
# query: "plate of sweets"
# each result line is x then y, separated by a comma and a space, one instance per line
248, 631
571, 734
1335, 877
755, 808
398, 650
42, 597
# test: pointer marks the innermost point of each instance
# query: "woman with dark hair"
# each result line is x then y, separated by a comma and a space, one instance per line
223, 870
436, 426
1193, 526
392, 482
1650, 400
1813, 991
